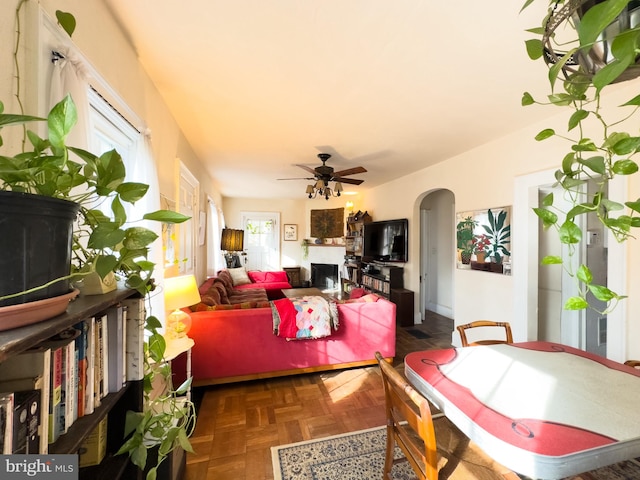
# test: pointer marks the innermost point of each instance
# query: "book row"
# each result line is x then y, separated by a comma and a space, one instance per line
45, 389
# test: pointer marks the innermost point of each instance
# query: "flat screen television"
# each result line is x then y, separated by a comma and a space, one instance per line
386, 241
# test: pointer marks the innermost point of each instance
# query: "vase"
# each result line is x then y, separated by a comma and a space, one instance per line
465, 258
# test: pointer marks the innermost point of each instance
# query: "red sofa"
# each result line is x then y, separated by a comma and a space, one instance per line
237, 345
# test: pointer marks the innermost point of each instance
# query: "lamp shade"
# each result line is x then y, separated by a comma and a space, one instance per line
180, 292
232, 240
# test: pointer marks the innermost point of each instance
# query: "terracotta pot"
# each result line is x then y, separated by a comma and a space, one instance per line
480, 257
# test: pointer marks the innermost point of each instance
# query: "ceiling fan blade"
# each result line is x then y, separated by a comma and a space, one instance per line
350, 171
298, 178
308, 169
352, 181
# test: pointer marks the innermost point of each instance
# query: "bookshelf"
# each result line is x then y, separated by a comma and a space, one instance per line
382, 279
113, 405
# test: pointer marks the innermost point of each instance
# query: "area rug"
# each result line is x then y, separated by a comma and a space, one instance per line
419, 334
360, 456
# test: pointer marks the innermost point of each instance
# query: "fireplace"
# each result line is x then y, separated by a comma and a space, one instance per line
324, 276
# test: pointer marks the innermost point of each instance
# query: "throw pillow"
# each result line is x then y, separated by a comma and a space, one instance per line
239, 276
356, 293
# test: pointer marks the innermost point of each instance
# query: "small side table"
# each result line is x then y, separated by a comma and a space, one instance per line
293, 273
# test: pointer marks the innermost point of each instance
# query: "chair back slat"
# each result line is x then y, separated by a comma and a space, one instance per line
409, 424
462, 330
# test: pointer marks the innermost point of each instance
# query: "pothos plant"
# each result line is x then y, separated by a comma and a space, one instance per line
104, 243
578, 74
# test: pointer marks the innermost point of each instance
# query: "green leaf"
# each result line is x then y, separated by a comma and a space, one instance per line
106, 264
597, 18
635, 101
602, 293
626, 145
610, 205
561, 99
527, 99
608, 74
596, 164
635, 206
184, 442
585, 145
544, 134
7, 119
576, 303
132, 192
548, 217
157, 347
577, 117
105, 236
547, 200
166, 216
62, 117
119, 213
153, 323
625, 167
579, 210
534, 48
557, 67
567, 162
526, 4
67, 21
136, 238
569, 233
584, 274
551, 260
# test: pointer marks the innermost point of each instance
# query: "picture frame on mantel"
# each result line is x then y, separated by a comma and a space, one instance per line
290, 232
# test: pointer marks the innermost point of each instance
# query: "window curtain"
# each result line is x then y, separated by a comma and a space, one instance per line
69, 76
144, 170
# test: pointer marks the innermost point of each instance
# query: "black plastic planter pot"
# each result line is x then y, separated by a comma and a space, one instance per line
36, 234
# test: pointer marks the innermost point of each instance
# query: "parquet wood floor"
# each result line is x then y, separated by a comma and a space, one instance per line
238, 423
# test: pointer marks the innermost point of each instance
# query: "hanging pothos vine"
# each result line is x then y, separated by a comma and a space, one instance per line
579, 71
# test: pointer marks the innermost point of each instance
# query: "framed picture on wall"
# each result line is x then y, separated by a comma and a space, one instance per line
290, 232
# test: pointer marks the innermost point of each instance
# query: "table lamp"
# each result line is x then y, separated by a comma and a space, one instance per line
179, 292
232, 242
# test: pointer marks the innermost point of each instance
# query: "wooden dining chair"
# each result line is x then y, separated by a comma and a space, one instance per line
409, 425
508, 337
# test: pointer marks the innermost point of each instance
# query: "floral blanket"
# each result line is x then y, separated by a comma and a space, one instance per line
304, 317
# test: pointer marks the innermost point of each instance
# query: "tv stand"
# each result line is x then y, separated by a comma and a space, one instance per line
381, 279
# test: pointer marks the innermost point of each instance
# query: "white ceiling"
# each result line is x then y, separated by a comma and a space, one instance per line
258, 86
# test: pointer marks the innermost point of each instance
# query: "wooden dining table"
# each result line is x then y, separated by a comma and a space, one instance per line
541, 409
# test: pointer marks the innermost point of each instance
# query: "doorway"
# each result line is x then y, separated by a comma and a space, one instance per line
437, 217
605, 336
261, 240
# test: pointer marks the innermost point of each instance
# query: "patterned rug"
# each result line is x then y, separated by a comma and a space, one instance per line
360, 456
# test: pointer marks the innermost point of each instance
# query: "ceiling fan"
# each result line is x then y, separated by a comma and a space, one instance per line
326, 174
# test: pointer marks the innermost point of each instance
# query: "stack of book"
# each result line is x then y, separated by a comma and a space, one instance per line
45, 389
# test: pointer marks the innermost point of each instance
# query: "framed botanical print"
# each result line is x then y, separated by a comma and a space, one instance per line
290, 232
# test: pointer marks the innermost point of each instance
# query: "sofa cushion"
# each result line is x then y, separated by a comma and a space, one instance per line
257, 276
371, 297
206, 285
248, 295
239, 276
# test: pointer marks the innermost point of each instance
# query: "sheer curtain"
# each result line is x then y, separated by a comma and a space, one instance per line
69, 76
215, 220
144, 170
